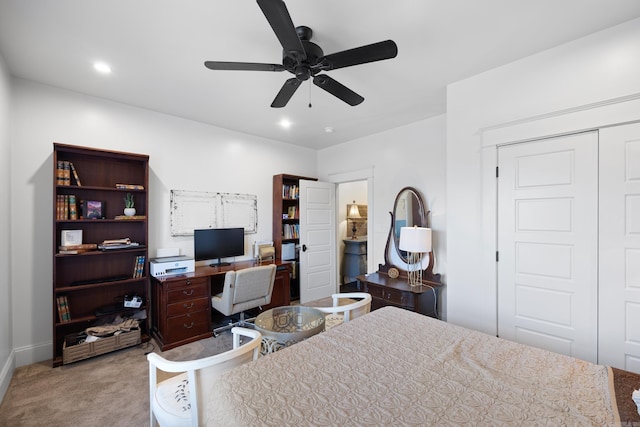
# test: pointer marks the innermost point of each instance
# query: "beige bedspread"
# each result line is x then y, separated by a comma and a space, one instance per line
394, 367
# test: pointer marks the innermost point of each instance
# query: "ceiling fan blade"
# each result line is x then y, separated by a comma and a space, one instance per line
337, 89
278, 16
286, 92
242, 66
359, 55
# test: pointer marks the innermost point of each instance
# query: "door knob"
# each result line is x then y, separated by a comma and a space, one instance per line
304, 248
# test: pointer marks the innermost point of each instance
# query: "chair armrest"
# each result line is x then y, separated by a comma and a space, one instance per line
189, 365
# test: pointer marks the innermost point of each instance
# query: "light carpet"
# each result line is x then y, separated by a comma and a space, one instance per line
108, 390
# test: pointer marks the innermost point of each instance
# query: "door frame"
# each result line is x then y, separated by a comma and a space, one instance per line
345, 177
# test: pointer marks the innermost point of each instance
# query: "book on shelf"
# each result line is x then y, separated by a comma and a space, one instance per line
60, 172
138, 267
129, 187
79, 246
75, 174
63, 309
292, 212
290, 191
125, 217
73, 208
77, 249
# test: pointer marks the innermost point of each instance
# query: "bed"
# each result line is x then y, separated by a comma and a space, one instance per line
395, 367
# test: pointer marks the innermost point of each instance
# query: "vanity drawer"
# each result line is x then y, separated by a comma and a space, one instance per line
187, 326
392, 296
188, 291
188, 306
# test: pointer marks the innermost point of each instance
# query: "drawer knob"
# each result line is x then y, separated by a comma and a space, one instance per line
188, 293
188, 306
188, 282
189, 326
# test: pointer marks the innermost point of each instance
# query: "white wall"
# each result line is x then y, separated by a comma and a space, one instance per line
184, 155
595, 70
7, 362
411, 155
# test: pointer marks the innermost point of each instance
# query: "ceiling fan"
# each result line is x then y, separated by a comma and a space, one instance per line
305, 59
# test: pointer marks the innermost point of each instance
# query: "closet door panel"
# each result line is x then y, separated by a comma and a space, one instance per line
619, 236
547, 240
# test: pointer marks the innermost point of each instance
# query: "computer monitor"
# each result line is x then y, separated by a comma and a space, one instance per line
218, 243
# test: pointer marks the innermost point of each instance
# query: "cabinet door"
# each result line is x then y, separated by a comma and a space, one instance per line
619, 233
547, 238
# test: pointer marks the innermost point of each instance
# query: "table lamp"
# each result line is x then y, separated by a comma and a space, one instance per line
416, 241
353, 214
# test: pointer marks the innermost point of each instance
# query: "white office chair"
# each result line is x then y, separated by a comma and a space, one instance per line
179, 400
339, 314
244, 289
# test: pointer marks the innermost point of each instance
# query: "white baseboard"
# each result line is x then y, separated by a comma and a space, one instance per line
33, 353
7, 373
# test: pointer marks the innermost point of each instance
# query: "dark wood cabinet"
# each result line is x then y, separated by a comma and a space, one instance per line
181, 310
95, 282
385, 291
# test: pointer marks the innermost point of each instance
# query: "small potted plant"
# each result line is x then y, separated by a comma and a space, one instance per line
129, 205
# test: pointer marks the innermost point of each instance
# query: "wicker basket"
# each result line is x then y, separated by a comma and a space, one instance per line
105, 345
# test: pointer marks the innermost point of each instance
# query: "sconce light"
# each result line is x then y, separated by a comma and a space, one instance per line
416, 241
353, 214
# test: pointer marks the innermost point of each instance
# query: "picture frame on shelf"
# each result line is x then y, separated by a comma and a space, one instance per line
70, 237
93, 209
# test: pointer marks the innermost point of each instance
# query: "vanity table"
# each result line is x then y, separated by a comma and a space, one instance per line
390, 284
385, 291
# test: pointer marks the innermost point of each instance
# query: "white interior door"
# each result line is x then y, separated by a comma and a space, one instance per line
619, 276
317, 240
547, 241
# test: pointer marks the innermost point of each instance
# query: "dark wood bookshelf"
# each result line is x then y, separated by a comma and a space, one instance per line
281, 205
95, 279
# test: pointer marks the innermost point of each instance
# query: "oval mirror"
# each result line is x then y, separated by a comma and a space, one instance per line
408, 211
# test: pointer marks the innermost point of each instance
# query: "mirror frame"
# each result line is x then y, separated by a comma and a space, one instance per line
393, 257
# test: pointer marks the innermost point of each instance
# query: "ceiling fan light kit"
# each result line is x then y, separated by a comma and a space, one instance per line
305, 59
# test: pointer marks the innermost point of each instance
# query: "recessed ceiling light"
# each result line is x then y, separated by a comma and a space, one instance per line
329, 129
285, 123
102, 68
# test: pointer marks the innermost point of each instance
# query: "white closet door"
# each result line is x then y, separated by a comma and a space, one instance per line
619, 328
547, 241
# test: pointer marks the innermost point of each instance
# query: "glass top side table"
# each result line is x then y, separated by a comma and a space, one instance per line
283, 326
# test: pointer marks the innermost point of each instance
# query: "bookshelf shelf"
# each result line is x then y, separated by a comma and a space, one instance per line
95, 279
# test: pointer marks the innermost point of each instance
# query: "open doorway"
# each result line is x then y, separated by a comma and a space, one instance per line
352, 229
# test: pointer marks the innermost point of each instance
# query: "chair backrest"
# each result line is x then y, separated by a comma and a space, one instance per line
245, 289
203, 373
254, 283
352, 310
356, 309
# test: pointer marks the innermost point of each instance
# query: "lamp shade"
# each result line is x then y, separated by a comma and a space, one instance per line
415, 239
354, 212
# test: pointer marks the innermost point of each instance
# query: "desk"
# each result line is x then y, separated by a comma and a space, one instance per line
181, 303
385, 291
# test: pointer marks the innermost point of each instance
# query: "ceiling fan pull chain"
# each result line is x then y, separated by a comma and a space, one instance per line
309, 93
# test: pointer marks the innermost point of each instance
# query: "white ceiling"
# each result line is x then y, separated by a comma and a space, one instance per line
156, 49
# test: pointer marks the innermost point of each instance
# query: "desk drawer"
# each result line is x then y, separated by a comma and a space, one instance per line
188, 292
187, 326
392, 296
187, 306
